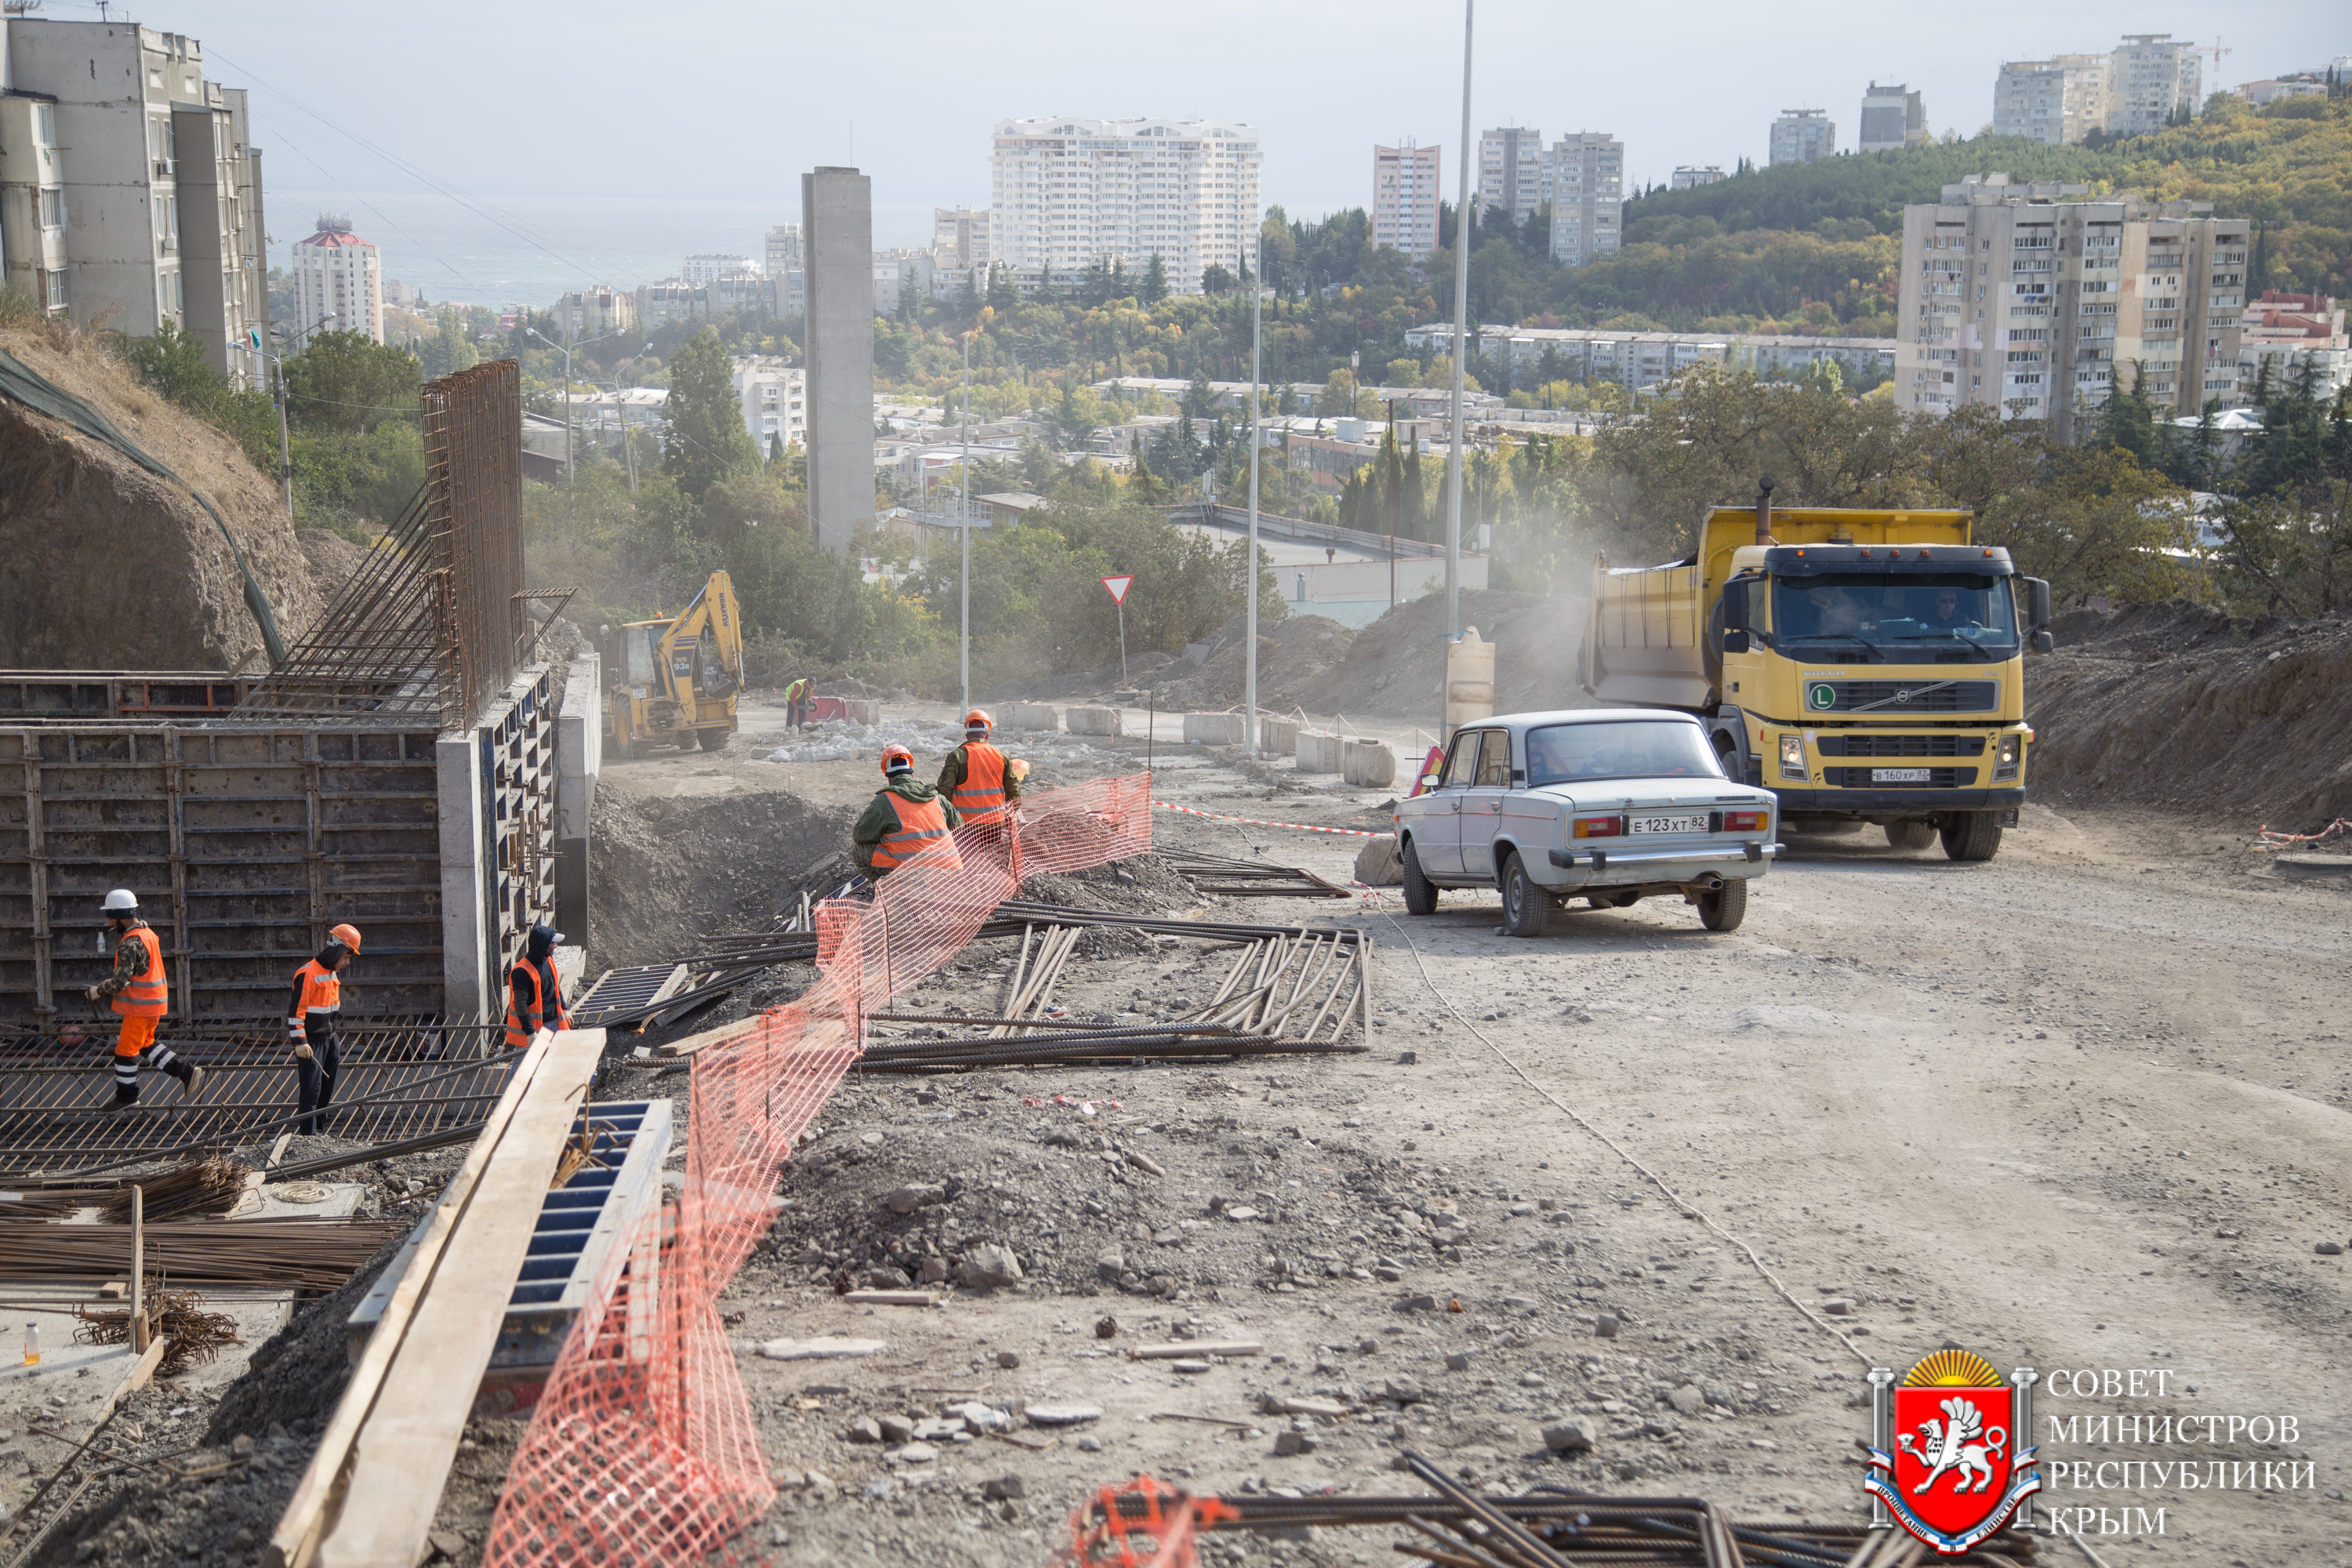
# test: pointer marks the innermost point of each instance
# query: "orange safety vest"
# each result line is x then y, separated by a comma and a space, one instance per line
980, 796
921, 824
550, 1005
144, 997
322, 991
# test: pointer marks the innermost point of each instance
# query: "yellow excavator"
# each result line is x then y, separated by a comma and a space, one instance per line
675, 679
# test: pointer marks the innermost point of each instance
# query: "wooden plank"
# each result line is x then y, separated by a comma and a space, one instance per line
403, 1454
142, 1371
296, 1540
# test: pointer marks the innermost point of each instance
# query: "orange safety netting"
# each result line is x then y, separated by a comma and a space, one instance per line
642, 1450
1141, 1523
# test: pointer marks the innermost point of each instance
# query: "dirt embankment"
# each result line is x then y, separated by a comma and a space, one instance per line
113, 567
667, 871
1397, 665
2180, 705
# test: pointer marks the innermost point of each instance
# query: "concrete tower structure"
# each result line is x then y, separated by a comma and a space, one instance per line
837, 232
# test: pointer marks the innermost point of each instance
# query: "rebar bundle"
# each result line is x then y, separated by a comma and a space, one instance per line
196, 1336
291, 1254
210, 1183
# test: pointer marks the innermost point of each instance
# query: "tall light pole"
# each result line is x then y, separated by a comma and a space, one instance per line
285, 448
1463, 217
566, 353
963, 518
1257, 439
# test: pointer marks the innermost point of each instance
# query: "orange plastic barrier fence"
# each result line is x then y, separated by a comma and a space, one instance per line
1141, 1523
642, 1449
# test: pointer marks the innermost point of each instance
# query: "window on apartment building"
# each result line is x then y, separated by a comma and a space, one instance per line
45, 125
56, 290
53, 206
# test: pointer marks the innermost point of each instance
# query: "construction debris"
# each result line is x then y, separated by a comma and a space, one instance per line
1230, 877
196, 1336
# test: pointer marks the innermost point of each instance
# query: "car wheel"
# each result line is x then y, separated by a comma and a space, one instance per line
1724, 909
1916, 834
1419, 896
1973, 836
1527, 909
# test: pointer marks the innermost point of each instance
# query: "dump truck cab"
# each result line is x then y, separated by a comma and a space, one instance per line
1863, 665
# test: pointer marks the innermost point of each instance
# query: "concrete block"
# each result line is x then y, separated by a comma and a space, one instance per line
1368, 763
1377, 865
1033, 716
1275, 736
1092, 721
1215, 729
1318, 752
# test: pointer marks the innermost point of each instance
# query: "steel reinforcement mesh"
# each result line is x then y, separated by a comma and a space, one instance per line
642, 1449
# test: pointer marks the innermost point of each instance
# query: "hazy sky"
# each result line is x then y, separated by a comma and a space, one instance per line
693, 99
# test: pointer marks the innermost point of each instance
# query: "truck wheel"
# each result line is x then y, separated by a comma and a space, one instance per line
1526, 908
1910, 835
1973, 836
1420, 897
714, 740
1724, 909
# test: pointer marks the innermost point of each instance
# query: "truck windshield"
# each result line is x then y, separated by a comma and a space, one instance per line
1897, 613
1622, 749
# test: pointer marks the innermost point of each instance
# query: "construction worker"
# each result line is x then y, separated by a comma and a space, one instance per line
908, 817
140, 992
976, 778
796, 703
314, 1004
534, 996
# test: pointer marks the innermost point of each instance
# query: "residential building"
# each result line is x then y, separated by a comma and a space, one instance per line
2153, 81
1511, 173
1404, 198
2271, 90
1892, 117
1802, 135
1588, 198
784, 270
1688, 176
399, 296
2283, 335
744, 290
671, 299
701, 269
1640, 360
898, 269
2036, 302
593, 312
962, 237
837, 224
773, 394
129, 191
2059, 101
337, 281
1069, 194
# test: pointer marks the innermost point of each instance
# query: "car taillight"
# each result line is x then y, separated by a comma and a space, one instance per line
1746, 821
1599, 826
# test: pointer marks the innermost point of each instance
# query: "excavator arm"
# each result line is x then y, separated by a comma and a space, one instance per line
702, 652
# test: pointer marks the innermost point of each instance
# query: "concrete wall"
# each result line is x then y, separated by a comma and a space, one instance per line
579, 757
1216, 729
837, 221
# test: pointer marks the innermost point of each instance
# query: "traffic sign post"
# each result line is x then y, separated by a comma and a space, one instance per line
1117, 587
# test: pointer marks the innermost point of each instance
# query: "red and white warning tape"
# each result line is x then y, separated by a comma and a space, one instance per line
1261, 822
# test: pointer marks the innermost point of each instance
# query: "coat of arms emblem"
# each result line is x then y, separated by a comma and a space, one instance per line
1950, 1457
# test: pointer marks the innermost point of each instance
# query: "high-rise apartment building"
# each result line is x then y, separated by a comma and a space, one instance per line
592, 313
1588, 198
2037, 302
784, 270
702, 270
1802, 135
129, 191
962, 239
837, 222
1404, 198
2142, 85
774, 397
1892, 117
1512, 173
337, 281
1069, 194
2153, 80
1687, 177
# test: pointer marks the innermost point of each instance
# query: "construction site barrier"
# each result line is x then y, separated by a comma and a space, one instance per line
1215, 729
642, 1450
1094, 721
1318, 752
1033, 716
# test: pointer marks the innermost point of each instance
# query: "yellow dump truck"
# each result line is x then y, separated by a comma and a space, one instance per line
675, 679
1863, 665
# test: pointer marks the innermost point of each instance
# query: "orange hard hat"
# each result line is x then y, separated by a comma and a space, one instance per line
978, 719
348, 935
897, 759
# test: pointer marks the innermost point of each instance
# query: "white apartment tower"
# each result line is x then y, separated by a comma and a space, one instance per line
1513, 173
129, 192
2151, 77
784, 270
1802, 135
1892, 117
338, 275
2059, 101
1588, 198
962, 239
2037, 302
1069, 194
1690, 177
1404, 198
704, 270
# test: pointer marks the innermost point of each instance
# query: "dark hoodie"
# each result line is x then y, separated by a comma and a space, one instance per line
533, 980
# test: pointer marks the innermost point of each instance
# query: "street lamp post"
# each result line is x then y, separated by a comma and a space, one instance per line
285, 448
1257, 439
566, 353
963, 471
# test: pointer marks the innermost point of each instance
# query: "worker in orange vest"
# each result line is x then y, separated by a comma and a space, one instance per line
906, 818
140, 992
313, 1008
976, 778
534, 996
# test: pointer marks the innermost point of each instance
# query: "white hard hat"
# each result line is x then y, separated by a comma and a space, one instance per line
121, 901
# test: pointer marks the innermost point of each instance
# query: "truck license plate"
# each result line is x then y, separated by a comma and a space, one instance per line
1692, 823
1899, 775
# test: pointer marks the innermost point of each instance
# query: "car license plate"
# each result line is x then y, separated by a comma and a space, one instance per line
1899, 775
1635, 825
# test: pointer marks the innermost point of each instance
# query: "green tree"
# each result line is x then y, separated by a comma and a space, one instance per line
349, 381
1338, 395
1155, 281
703, 436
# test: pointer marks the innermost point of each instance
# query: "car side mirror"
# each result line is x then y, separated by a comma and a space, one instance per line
2037, 602
1735, 607
1734, 642
2043, 642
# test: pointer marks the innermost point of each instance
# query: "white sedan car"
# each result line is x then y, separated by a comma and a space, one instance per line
1609, 804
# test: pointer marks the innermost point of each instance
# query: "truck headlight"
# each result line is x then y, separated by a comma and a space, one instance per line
1793, 756
2005, 763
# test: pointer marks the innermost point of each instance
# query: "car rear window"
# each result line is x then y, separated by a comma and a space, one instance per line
1622, 749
